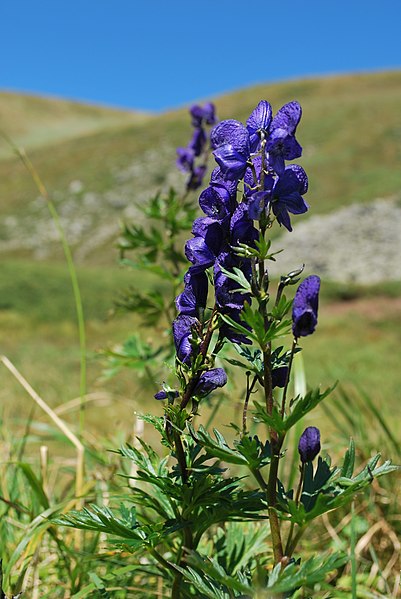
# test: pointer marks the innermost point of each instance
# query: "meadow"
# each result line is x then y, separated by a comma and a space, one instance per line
351, 134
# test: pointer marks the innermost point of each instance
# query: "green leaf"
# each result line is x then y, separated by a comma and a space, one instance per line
218, 447
102, 519
35, 484
307, 574
274, 420
300, 406
349, 461
238, 276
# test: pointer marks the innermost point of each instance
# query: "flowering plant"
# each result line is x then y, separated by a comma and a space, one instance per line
213, 517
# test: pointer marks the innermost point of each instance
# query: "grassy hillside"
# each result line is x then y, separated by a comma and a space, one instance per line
350, 131
32, 121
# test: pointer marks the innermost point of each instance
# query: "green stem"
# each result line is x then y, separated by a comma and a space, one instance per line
72, 272
288, 553
180, 453
271, 494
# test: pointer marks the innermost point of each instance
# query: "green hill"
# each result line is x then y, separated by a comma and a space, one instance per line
98, 163
350, 131
32, 121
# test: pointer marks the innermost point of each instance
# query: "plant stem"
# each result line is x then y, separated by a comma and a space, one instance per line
272, 501
249, 389
179, 449
288, 553
71, 270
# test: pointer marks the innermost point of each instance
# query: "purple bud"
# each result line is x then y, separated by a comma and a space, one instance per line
305, 307
279, 376
209, 112
166, 394
197, 115
185, 159
210, 380
198, 141
309, 444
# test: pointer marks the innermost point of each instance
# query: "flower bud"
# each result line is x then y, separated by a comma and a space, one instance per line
309, 444
305, 307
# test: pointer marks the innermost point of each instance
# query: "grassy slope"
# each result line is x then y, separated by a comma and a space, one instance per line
351, 133
32, 121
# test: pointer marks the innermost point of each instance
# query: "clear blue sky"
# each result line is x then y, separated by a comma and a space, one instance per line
159, 54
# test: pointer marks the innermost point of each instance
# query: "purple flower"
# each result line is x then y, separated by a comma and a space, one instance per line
198, 252
209, 381
185, 160
281, 144
215, 201
231, 334
198, 141
305, 307
194, 295
230, 132
279, 376
173, 394
196, 179
231, 143
182, 326
232, 163
209, 113
241, 227
287, 194
259, 120
197, 115
309, 444
226, 296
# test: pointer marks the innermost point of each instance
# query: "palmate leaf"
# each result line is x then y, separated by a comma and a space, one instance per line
305, 575
250, 451
102, 519
238, 276
328, 490
208, 577
238, 544
299, 407
217, 447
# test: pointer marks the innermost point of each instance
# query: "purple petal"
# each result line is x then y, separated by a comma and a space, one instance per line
305, 307
230, 132
288, 117
198, 141
185, 159
199, 253
232, 163
215, 202
194, 295
259, 120
196, 179
209, 112
210, 380
182, 333
241, 227
197, 115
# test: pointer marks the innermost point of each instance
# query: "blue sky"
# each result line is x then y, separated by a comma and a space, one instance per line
161, 54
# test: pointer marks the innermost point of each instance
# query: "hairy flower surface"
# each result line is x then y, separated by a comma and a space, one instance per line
305, 307
309, 444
